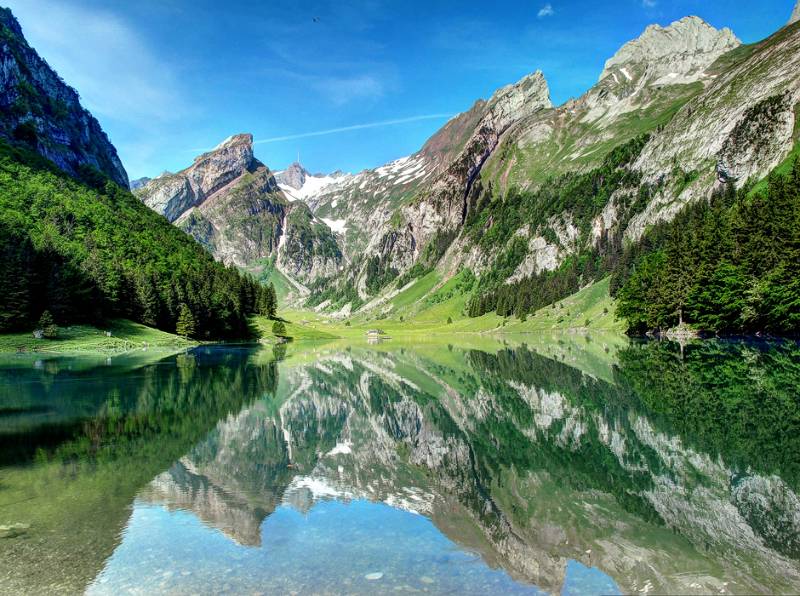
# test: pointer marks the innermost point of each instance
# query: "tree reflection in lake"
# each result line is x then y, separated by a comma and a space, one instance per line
673, 471
80, 436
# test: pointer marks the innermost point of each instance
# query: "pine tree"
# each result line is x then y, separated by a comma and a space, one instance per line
186, 325
148, 300
48, 325
279, 329
14, 282
269, 302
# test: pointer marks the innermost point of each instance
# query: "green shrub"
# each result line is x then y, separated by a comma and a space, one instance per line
47, 325
279, 329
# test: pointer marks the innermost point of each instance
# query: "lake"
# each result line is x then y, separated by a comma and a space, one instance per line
565, 464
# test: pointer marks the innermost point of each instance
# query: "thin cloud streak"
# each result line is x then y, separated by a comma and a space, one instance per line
332, 131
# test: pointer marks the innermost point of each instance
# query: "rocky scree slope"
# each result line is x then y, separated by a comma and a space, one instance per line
232, 204
359, 204
38, 109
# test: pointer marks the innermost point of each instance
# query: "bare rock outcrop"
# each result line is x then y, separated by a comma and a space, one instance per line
38, 109
232, 204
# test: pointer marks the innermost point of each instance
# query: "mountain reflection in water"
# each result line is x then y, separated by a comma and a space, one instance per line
559, 467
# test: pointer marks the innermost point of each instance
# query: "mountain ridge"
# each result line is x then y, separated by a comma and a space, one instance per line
515, 188
39, 109
233, 205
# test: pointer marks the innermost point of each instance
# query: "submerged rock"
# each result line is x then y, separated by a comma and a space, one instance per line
13, 530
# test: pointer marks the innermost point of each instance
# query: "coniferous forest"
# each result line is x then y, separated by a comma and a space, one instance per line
87, 250
727, 265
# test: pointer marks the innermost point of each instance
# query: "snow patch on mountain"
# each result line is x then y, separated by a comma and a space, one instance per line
312, 186
337, 225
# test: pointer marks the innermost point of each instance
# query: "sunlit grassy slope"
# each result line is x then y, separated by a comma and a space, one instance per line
125, 335
266, 272
420, 312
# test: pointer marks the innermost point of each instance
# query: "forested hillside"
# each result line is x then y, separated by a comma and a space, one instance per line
727, 265
86, 250
539, 201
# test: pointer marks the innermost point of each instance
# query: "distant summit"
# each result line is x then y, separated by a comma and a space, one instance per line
682, 50
294, 176
139, 182
172, 195
231, 203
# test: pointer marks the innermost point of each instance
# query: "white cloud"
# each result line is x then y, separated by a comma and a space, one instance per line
333, 131
330, 131
546, 11
649, 3
342, 90
118, 76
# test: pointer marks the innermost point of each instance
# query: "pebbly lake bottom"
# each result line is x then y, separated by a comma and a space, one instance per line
556, 464
335, 547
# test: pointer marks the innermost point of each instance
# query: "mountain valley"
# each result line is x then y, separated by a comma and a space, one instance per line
521, 193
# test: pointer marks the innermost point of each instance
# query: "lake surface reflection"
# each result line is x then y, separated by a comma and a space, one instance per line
567, 465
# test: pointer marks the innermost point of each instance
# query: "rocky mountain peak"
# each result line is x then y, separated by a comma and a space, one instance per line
245, 139
680, 51
531, 91
39, 110
795, 14
236, 148
228, 160
294, 176
173, 194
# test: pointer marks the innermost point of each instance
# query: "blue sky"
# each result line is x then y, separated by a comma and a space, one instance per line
169, 78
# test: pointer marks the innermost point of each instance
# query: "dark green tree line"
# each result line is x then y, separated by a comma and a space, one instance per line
727, 265
91, 251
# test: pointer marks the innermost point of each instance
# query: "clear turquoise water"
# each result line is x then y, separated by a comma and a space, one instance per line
567, 468
332, 548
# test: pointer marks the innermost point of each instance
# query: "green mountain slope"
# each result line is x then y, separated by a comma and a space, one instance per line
74, 241
538, 202
87, 252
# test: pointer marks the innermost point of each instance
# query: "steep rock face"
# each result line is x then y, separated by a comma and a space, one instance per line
681, 51
307, 249
242, 223
172, 194
441, 208
739, 128
232, 204
753, 142
507, 105
37, 108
